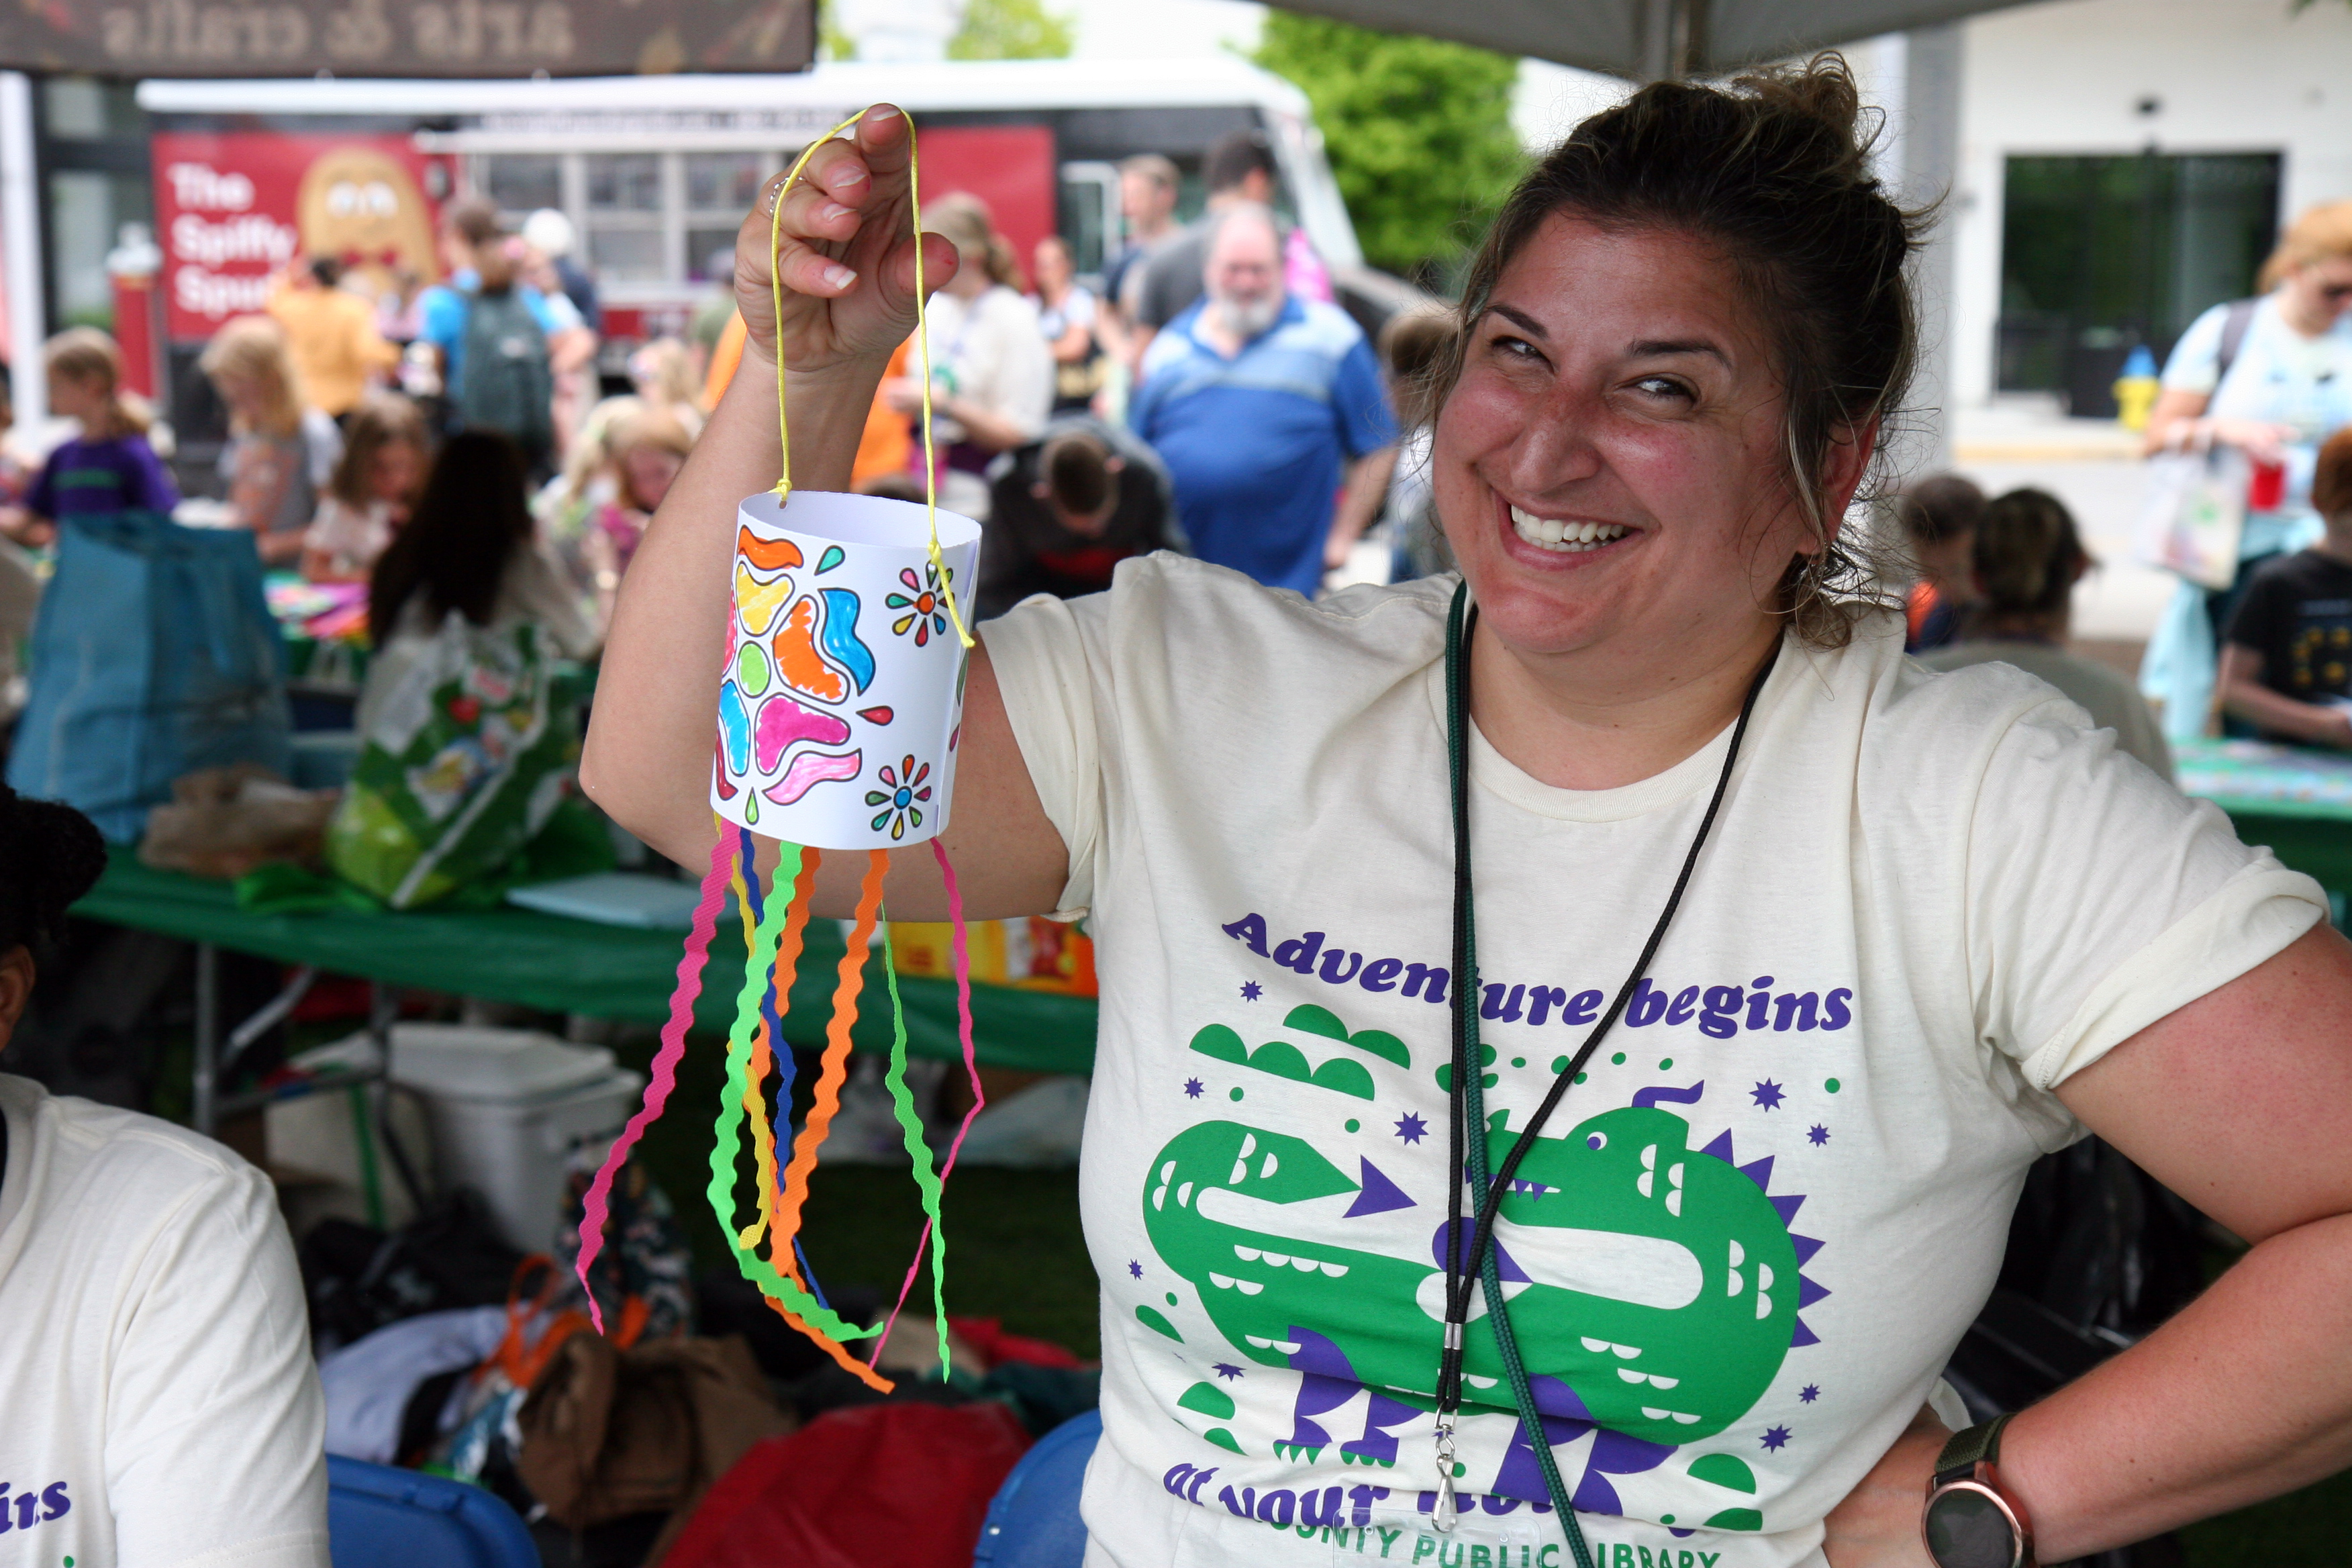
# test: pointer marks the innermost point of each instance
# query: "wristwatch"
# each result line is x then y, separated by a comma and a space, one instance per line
1969, 1522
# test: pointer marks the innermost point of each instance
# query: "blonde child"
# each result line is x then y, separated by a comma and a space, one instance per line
108, 466
280, 454
370, 493
648, 448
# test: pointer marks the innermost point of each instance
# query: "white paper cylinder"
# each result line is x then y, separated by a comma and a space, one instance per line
841, 702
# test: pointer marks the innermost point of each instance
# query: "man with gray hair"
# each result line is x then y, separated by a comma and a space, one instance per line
1262, 405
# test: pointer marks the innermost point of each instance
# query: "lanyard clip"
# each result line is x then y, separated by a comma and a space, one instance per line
1443, 1520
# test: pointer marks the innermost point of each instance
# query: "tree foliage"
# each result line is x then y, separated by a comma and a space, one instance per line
1011, 30
1418, 133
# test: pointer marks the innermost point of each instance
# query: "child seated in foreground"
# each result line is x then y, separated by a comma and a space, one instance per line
2286, 663
162, 1407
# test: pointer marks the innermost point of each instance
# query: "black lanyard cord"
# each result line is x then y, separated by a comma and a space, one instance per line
1466, 1095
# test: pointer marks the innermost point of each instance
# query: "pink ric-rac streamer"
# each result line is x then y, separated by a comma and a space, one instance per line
971, 1068
665, 1060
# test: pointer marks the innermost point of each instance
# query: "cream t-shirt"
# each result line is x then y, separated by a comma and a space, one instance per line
1746, 1244
160, 1403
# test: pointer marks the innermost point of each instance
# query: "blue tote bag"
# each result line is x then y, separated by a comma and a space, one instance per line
153, 656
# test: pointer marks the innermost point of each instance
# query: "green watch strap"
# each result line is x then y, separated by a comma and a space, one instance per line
1976, 1445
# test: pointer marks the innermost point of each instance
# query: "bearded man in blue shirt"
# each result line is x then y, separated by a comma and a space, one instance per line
1269, 412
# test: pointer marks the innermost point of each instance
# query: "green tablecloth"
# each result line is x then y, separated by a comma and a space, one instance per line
2296, 801
577, 966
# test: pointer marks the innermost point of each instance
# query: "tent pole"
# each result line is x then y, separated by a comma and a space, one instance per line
1674, 40
20, 249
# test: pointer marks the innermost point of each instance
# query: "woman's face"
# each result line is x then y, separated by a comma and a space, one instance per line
1053, 266
1619, 386
649, 472
2326, 287
395, 470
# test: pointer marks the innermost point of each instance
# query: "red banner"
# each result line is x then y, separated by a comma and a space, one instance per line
234, 207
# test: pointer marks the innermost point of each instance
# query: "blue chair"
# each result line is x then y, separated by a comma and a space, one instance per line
378, 1517
1034, 1521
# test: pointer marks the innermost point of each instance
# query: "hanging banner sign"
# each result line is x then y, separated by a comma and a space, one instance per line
234, 207
407, 37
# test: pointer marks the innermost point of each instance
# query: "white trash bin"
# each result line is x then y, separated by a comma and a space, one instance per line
507, 1108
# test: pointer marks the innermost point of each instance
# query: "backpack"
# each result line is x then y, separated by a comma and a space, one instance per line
506, 383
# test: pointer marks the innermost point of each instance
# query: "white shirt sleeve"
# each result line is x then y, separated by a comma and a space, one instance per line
1018, 383
2099, 899
216, 1453
1039, 654
2195, 364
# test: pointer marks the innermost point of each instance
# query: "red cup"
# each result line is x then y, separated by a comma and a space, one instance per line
2266, 491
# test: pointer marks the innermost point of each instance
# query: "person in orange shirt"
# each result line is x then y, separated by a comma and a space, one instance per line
886, 446
330, 335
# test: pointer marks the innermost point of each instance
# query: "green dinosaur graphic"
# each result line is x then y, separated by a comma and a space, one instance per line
1661, 1307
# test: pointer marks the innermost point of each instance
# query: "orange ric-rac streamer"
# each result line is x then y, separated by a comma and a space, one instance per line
835, 1068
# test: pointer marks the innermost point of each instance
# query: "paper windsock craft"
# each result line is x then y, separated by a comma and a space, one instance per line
840, 709
841, 695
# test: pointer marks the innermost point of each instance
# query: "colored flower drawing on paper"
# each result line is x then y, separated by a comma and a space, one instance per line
788, 649
925, 605
1296, 1260
901, 797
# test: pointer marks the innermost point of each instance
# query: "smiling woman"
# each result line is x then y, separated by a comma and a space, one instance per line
1591, 1256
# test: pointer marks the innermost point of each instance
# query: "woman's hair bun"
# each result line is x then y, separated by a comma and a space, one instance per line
50, 855
1822, 90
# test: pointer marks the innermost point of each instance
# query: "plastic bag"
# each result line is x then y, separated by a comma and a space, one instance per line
2195, 514
462, 763
153, 657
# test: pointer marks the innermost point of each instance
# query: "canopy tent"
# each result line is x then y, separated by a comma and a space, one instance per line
1648, 39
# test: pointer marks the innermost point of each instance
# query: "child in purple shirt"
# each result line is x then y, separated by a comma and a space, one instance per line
108, 466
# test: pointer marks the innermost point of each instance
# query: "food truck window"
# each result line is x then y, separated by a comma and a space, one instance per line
720, 188
521, 185
625, 217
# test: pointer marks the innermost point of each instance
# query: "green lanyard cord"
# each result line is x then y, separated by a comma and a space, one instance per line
1467, 1120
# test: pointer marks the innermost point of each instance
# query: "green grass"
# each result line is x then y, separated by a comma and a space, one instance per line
1015, 1250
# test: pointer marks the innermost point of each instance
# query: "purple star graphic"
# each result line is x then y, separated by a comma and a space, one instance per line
1252, 991
1192, 1089
1809, 1393
1226, 1370
1818, 1136
1411, 1127
1134, 1270
1767, 1095
1776, 1437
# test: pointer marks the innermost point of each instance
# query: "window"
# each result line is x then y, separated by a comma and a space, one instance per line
2100, 254
663, 219
520, 184
720, 189
624, 217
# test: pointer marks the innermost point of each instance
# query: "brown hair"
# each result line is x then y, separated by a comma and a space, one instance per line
1938, 507
1412, 344
470, 522
2028, 556
1076, 472
2331, 477
380, 419
1152, 167
1771, 170
85, 354
2321, 234
252, 348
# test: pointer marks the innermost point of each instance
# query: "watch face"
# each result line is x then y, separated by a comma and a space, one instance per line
1968, 1527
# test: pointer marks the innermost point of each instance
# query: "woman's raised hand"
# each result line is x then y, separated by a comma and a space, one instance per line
846, 257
